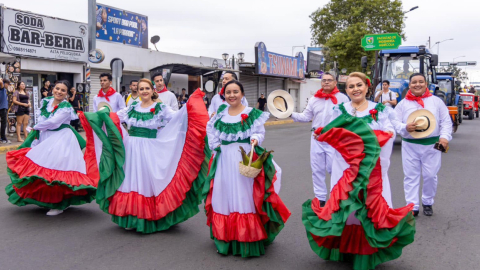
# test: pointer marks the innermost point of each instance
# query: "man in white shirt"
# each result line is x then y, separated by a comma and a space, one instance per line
318, 111
168, 98
385, 96
134, 95
219, 99
108, 94
419, 157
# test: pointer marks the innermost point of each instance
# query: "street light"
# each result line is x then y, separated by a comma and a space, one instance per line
458, 57
293, 48
240, 57
412, 9
438, 43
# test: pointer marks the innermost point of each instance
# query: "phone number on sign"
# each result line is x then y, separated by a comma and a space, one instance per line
19, 49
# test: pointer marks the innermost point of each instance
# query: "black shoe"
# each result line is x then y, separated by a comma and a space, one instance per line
415, 213
427, 210
322, 203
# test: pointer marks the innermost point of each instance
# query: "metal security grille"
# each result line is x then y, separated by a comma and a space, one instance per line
250, 85
274, 84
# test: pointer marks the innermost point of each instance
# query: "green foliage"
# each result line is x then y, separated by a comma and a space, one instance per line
459, 73
341, 24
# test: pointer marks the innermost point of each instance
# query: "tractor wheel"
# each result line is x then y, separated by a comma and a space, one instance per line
476, 114
460, 111
470, 115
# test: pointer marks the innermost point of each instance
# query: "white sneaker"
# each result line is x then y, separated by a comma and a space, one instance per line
54, 212
129, 229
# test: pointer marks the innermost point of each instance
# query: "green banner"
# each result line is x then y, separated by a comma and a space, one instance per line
375, 42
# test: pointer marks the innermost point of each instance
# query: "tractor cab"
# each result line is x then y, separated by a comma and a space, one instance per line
399, 64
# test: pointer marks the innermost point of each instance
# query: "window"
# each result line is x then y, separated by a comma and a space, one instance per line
400, 67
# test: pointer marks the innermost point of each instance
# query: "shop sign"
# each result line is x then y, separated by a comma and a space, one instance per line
274, 64
314, 74
96, 56
375, 42
121, 26
36, 35
342, 78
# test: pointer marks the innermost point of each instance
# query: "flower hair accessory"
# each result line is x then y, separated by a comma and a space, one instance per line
244, 117
369, 82
373, 113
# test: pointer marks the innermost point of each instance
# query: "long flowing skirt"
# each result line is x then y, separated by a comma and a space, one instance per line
52, 171
160, 180
244, 214
357, 223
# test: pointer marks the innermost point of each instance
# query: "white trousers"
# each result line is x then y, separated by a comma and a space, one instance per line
321, 155
419, 160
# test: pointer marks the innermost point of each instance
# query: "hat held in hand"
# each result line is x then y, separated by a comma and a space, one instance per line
280, 104
425, 123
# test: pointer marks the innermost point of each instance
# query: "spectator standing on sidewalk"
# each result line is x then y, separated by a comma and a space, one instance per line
261, 102
3, 111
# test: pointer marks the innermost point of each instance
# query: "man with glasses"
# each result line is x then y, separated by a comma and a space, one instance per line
318, 111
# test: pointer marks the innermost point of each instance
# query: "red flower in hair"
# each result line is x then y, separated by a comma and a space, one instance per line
152, 110
373, 113
244, 117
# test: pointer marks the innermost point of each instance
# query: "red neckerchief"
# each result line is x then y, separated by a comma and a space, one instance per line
321, 94
110, 92
419, 100
222, 92
163, 90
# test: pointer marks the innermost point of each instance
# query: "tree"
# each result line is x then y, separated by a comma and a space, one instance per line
341, 24
457, 72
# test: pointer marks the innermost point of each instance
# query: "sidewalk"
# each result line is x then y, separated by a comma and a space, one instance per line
273, 121
14, 144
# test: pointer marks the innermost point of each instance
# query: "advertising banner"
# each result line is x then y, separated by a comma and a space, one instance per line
274, 64
121, 26
40, 36
314, 59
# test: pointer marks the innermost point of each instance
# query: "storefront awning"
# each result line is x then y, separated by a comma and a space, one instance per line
298, 81
6, 58
188, 69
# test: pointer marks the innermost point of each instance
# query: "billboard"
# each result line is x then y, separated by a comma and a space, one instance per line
121, 26
274, 64
314, 58
35, 35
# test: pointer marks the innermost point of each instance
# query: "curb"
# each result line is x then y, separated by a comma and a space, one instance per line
4, 149
280, 122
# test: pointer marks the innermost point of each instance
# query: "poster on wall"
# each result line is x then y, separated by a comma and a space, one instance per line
121, 26
274, 64
41, 36
13, 71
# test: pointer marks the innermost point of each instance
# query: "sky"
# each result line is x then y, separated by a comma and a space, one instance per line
210, 28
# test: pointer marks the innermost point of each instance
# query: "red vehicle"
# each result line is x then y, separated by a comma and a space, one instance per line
470, 105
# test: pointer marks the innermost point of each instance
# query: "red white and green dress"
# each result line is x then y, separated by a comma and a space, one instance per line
357, 223
244, 214
164, 166
49, 168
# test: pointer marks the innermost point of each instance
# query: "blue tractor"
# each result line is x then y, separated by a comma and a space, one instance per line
397, 65
447, 85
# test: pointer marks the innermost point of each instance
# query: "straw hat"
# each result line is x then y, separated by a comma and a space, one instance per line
425, 123
280, 103
103, 104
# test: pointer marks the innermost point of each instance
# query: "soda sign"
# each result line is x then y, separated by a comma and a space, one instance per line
44, 37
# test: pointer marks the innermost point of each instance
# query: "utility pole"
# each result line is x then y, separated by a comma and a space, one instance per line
92, 24
429, 43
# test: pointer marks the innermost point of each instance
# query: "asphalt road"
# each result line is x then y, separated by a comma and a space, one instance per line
83, 237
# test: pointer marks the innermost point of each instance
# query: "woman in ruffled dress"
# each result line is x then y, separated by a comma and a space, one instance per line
357, 223
162, 164
49, 168
244, 214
